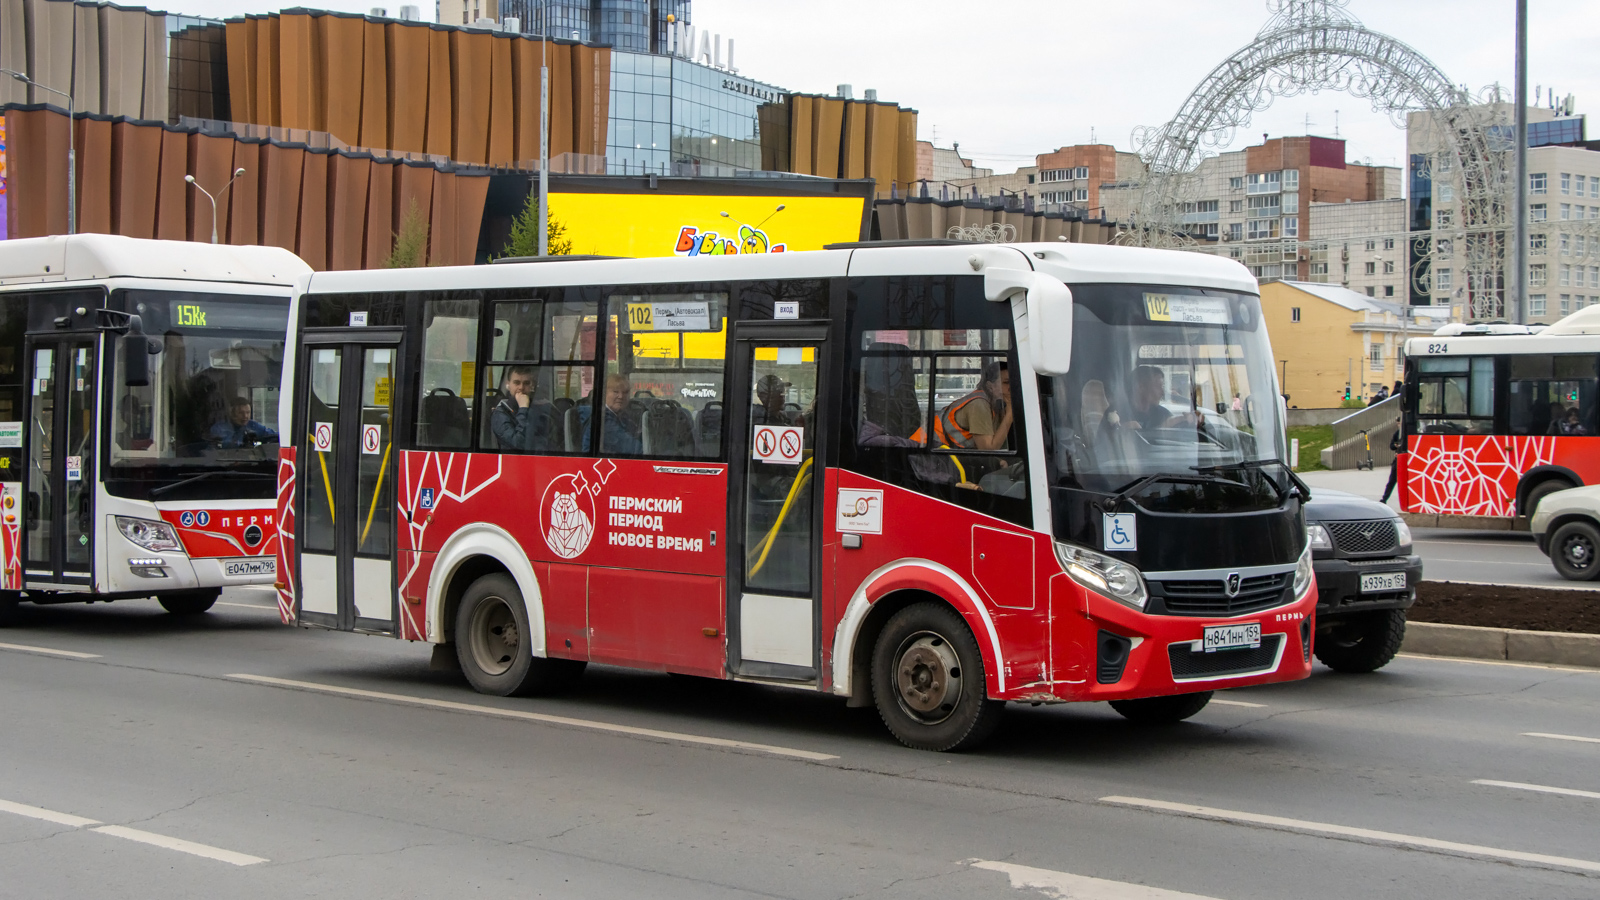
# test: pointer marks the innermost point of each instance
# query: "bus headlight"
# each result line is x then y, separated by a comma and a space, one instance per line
1106, 576
1304, 575
148, 533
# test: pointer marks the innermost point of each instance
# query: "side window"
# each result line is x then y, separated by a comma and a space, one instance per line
933, 392
449, 374
1455, 395
666, 361
539, 381
1552, 395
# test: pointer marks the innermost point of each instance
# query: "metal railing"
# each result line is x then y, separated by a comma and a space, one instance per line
1379, 421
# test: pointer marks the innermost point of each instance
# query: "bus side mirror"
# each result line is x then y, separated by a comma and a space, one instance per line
1049, 309
135, 350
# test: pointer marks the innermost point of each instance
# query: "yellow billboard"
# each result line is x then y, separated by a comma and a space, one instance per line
638, 225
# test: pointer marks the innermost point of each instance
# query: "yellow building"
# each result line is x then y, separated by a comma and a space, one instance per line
1328, 338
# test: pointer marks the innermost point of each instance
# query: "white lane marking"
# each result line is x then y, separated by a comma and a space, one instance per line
1496, 662
1562, 737
1520, 542
247, 605
1238, 703
1538, 788
180, 845
538, 717
1066, 886
131, 834
70, 654
48, 815
1365, 834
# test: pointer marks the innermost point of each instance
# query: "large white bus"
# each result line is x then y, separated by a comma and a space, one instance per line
135, 378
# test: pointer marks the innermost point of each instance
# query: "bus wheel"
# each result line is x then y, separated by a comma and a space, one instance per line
492, 643
1162, 710
927, 680
1572, 550
1542, 490
8, 608
1364, 642
188, 603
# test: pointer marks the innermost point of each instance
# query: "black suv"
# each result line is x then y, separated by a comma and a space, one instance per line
1366, 580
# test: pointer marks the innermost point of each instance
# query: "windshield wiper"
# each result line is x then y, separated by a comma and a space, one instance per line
156, 492
1167, 478
1300, 486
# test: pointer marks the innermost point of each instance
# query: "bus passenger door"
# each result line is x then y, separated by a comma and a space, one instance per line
344, 442
775, 531
59, 446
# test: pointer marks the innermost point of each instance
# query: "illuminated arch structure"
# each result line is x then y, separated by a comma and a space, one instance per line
1315, 45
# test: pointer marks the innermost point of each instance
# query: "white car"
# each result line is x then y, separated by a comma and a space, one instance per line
1567, 526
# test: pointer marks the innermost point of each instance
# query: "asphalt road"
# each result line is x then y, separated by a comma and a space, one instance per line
136, 762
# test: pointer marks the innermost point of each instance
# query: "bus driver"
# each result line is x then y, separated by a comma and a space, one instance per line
239, 429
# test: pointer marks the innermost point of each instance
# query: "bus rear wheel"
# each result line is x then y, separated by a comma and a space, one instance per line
928, 680
1542, 490
9, 601
188, 603
492, 643
1162, 710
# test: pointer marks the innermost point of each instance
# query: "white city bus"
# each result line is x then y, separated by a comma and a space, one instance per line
135, 376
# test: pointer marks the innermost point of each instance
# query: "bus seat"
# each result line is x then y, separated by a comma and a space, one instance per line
708, 428
667, 428
1093, 410
888, 390
558, 421
443, 419
571, 430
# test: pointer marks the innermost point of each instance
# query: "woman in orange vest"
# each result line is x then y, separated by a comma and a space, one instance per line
979, 421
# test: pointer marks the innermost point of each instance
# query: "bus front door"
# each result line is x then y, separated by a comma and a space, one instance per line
345, 447
774, 561
58, 547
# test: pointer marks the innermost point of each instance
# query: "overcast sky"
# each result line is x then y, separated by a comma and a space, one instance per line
1011, 78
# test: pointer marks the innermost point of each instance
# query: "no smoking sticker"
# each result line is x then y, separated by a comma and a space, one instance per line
322, 436
778, 444
371, 438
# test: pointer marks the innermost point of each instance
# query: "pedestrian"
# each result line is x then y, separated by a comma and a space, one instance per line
1397, 443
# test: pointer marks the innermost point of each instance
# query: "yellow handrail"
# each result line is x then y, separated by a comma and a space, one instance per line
377, 491
328, 485
794, 489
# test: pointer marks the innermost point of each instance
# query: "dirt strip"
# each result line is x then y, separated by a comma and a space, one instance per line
1497, 606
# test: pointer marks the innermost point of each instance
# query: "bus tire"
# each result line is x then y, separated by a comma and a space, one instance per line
1364, 642
189, 603
1542, 490
1572, 551
1162, 710
928, 680
9, 601
491, 639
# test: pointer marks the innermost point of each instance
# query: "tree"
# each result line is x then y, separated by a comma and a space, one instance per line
525, 232
411, 243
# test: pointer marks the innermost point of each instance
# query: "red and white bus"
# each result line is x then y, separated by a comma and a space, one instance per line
726, 467
1496, 421
135, 378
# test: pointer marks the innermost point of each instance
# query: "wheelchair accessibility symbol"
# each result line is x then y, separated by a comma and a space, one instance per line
1120, 531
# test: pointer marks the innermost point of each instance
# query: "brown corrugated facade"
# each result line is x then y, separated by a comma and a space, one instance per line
335, 209
837, 138
119, 69
467, 94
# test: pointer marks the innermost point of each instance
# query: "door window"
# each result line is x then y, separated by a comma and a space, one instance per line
778, 489
373, 487
322, 441
1455, 395
42, 459
78, 457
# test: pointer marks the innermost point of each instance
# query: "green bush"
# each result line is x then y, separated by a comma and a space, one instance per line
1313, 438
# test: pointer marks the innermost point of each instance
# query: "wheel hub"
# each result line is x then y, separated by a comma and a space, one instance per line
928, 677
1578, 552
495, 637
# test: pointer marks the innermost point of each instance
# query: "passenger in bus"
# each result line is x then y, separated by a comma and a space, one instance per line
1558, 412
239, 429
518, 423
979, 421
618, 432
771, 392
1571, 424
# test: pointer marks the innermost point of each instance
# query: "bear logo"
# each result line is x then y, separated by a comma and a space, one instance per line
567, 511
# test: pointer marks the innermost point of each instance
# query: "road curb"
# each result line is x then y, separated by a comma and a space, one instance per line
1466, 523
1471, 642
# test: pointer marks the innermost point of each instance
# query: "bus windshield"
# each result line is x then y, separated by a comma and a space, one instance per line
211, 408
1165, 381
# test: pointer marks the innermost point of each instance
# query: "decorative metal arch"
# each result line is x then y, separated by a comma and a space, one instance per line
1314, 45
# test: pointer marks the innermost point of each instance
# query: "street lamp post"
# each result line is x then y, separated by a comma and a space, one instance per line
544, 130
72, 156
190, 178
